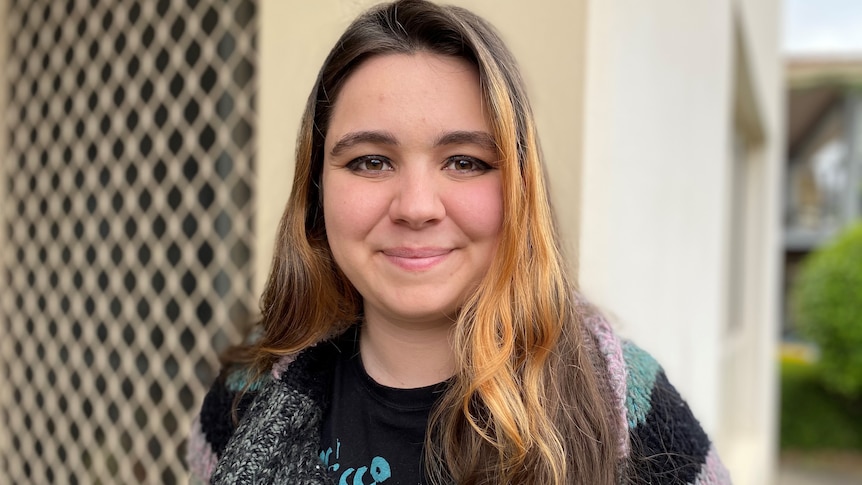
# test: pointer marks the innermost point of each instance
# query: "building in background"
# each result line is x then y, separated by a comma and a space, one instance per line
661, 123
824, 154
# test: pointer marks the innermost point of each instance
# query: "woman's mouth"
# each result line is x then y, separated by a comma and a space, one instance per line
416, 259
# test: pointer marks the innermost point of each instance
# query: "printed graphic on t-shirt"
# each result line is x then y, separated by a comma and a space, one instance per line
378, 471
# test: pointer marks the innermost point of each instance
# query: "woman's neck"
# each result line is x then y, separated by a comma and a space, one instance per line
406, 356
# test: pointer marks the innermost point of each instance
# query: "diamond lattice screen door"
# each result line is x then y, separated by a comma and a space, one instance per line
128, 197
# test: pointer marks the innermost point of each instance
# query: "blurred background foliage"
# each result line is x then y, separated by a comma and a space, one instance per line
821, 402
814, 418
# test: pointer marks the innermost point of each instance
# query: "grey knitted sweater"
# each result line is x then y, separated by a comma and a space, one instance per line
277, 439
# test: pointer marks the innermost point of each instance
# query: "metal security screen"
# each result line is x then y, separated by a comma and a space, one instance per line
128, 208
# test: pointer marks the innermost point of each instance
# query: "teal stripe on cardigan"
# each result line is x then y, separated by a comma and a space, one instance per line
238, 377
642, 370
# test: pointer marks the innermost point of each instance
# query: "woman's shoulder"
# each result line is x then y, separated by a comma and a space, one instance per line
665, 442
223, 406
232, 395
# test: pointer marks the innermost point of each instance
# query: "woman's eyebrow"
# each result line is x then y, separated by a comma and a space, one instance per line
357, 137
481, 138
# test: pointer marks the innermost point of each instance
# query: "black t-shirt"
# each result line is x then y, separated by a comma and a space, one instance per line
372, 433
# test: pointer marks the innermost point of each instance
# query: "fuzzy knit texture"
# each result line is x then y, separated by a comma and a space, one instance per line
277, 439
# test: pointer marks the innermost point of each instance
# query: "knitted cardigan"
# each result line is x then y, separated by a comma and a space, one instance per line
277, 439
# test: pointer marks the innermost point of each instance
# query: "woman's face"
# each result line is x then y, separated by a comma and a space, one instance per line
411, 193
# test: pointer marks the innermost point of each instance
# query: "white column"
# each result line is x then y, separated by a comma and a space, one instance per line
655, 182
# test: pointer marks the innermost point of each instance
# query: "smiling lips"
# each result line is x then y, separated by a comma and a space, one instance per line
416, 259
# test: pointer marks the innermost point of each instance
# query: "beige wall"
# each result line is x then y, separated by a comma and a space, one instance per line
547, 41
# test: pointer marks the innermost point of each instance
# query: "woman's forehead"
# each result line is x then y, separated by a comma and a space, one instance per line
399, 94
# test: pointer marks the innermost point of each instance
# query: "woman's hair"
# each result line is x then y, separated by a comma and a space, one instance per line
528, 403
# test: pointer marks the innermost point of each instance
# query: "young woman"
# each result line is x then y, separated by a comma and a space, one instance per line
418, 324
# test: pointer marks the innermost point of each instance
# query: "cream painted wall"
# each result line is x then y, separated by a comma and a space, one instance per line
292, 46
294, 40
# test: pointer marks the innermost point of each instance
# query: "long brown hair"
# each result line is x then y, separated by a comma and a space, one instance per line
528, 403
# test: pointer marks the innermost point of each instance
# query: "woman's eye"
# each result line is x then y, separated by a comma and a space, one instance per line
370, 163
466, 164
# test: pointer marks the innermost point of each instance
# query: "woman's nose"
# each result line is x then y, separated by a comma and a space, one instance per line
417, 201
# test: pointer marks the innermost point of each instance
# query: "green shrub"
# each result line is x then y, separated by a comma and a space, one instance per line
827, 309
812, 418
